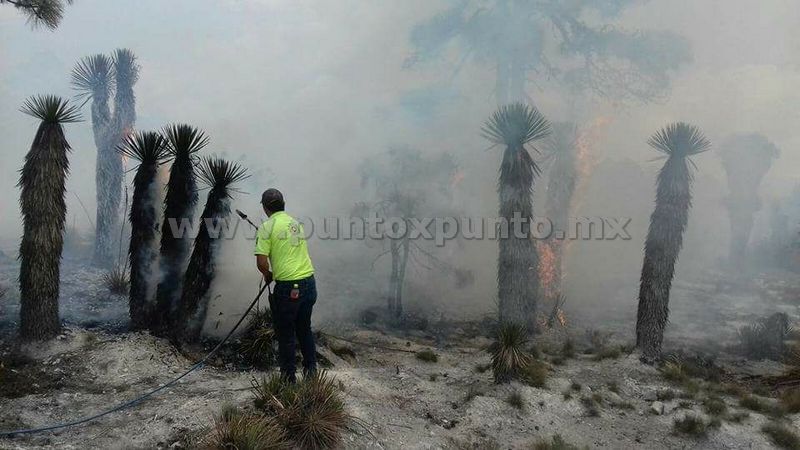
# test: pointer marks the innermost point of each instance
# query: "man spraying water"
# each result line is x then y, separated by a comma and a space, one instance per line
282, 256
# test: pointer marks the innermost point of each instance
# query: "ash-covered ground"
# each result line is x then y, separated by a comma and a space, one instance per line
595, 395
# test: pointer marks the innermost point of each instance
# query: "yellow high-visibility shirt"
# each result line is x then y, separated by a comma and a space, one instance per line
282, 239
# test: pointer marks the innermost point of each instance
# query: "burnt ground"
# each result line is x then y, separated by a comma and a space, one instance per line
600, 397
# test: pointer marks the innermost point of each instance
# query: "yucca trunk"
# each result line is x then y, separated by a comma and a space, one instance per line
43, 187
92, 76
149, 149
108, 183
518, 262
220, 175
665, 235
202, 268
143, 245
180, 202
513, 126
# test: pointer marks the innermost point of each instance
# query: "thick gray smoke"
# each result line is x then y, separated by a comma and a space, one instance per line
303, 92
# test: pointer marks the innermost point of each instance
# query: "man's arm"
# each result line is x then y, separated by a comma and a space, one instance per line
262, 262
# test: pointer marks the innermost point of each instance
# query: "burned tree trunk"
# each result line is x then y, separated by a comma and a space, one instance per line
150, 150
183, 142
221, 175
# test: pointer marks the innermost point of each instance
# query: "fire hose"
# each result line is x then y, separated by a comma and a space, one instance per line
145, 396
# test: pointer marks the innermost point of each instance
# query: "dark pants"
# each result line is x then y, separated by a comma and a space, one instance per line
292, 321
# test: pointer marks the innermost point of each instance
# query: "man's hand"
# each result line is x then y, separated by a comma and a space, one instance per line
262, 262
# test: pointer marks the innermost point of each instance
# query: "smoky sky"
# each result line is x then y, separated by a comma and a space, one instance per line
301, 91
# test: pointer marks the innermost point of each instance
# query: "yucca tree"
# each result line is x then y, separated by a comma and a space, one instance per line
46, 13
96, 77
221, 176
515, 126
746, 160
678, 142
183, 142
150, 150
43, 184
561, 181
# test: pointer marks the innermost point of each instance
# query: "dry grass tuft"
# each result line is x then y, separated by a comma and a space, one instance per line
427, 355
515, 400
117, 281
715, 406
790, 400
535, 374
234, 429
690, 425
555, 443
782, 436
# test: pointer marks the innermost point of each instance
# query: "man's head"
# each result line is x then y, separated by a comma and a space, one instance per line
272, 201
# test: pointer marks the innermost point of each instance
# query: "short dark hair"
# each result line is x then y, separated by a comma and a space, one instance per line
272, 199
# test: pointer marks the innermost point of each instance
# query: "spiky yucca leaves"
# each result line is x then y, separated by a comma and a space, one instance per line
235, 429
93, 78
220, 175
561, 181
509, 356
312, 412
150, 150
514, 126
677, 142
126, 74
183, 142
43, 185
46, 13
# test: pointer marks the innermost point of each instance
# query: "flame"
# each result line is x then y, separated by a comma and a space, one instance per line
457, 177
548, 270
552, 267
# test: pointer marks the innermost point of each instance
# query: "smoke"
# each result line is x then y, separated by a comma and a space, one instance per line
303, 92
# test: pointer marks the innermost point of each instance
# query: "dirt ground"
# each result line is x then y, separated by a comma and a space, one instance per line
401, 401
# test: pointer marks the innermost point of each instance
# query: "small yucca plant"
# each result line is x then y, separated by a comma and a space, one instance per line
509, 356
312, 412
234, 429
117, 281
